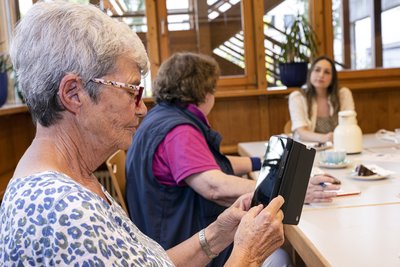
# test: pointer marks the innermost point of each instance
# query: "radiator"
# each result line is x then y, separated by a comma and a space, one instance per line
105, 179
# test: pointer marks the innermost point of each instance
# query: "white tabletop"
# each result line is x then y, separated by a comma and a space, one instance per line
358, 236
358, 230
373, 192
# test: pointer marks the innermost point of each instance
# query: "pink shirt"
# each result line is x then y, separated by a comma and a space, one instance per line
183, 152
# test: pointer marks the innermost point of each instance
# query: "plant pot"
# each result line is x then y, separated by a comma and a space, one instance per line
293, 74
3, 88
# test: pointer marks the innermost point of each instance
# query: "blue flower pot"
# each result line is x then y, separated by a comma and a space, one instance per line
293, 74
3, 88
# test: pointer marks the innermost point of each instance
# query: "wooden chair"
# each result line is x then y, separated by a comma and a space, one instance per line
287, 129
116, 167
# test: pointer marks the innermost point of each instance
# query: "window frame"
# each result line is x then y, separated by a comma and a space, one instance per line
254, 76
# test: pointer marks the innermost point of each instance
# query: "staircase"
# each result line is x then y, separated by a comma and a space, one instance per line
229, 45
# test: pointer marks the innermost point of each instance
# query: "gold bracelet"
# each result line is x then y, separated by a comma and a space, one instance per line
204, 245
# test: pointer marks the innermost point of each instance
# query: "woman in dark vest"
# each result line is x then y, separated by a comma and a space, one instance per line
178, 182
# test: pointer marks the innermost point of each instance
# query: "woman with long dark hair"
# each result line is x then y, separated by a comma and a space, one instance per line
314, 111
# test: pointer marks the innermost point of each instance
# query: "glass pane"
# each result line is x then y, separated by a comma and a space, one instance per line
174, 4
209, 27
276, 21
132, 13
358, 49
178, 22
24, 6
179, 14
361, 41
391, 37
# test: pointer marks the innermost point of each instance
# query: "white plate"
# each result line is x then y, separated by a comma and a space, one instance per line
369, 177
341, 165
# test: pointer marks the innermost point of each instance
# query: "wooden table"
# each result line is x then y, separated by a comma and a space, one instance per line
361, 230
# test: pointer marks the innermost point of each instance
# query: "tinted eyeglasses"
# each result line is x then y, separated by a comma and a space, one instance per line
135, 90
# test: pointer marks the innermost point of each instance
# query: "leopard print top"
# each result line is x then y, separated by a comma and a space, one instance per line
47, 219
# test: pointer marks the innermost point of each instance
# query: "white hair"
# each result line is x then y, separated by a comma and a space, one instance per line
57, 38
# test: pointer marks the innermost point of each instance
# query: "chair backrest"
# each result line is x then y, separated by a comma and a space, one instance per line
116, 167
287, 129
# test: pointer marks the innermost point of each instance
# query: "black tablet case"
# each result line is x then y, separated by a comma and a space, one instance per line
286, 171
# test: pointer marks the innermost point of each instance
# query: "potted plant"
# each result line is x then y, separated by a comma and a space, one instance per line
5, 67
297, 51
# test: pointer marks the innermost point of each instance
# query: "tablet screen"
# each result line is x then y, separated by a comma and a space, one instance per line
271, 171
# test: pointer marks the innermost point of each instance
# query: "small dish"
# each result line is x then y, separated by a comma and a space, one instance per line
373, 177
340, 165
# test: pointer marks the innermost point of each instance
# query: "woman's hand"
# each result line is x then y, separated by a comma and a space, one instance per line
327, 137
229, 220
318, 187
259, 234
306, 135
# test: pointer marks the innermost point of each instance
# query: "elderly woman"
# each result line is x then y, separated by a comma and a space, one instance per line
79, 71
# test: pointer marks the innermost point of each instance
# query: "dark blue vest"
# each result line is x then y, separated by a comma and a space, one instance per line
169, 214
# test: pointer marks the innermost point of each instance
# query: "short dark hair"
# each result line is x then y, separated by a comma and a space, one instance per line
186, 78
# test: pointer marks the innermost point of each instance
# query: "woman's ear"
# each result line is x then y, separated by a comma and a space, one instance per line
69, 92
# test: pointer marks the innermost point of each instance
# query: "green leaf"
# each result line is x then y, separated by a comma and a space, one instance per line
300, 44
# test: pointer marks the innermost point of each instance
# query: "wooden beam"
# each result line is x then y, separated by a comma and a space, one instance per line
346, 46
320, 14
258, 14
152, 37
163, 35
376, 31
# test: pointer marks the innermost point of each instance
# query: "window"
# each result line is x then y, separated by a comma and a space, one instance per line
213, 27
391, 37
366, 34
180, 15
276, 21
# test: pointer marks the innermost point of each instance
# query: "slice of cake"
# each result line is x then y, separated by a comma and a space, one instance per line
361, 170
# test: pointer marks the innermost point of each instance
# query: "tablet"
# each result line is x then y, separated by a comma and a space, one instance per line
285, 171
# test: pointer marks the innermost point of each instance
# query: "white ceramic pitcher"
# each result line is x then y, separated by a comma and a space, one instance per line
348, 135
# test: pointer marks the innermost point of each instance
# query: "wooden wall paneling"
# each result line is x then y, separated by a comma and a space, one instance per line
249, 118
366, 102
394, 109
17, 132
370, 79
264, 123
236, 120
377, 109
278, 113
